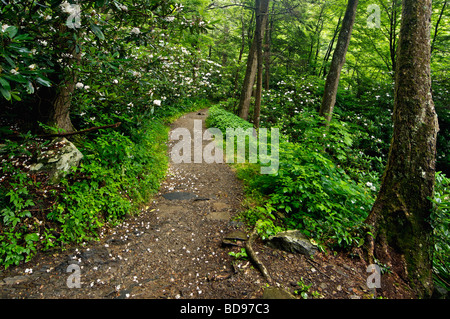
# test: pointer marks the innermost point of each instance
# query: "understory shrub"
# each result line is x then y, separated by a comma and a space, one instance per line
312, 190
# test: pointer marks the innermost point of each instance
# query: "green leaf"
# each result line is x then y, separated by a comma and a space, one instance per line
97, 31
16, 97
12, 31
32, 237
5, 84
6, 93
44, 82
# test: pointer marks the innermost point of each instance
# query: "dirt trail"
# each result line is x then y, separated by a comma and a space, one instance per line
174, 249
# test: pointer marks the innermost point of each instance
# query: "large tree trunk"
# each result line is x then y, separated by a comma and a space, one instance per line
60, 113
400, 215
55, 102
332, 82
261, 19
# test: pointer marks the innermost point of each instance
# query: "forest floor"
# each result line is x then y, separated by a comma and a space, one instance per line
175, 249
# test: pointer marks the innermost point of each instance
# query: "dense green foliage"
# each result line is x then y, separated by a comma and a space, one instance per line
325, 185
143, 63
140, 77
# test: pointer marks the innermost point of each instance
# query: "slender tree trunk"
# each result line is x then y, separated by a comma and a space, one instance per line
330, 47
262, 8
393, 14
393, 34
437, 26
268, 48
400, 215
241, 52
249, 80
315, 41
332, 82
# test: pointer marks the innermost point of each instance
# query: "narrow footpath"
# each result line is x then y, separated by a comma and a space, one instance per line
173, 249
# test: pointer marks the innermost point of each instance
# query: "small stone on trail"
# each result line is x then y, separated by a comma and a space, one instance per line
276, 293
292, 241
236, 235
179, 196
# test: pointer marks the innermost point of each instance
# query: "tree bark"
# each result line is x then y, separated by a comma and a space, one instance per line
332, 82
55, 102
399, 217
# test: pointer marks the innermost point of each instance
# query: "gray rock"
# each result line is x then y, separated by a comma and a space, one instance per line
292, 241
440, 293
15, 280
236, 235
58, 159
276, 293
179, 196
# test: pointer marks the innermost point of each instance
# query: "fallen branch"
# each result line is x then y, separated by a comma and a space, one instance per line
255, 260
82, 131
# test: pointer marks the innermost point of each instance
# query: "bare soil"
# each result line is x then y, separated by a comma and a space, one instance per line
174, 249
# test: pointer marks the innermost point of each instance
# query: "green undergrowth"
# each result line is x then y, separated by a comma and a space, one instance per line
120, 171
323, 189
310, 191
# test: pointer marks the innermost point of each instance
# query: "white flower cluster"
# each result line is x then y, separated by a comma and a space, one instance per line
70, 8
136, 31
371, 186
122, 6
80, 85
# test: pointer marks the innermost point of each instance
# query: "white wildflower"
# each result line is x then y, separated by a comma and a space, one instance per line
79, 85
157, 102
68, 8
135, 31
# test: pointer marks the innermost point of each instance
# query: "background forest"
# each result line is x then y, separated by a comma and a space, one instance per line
144, 63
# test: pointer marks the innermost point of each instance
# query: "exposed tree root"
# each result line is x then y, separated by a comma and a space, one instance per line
254, 258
